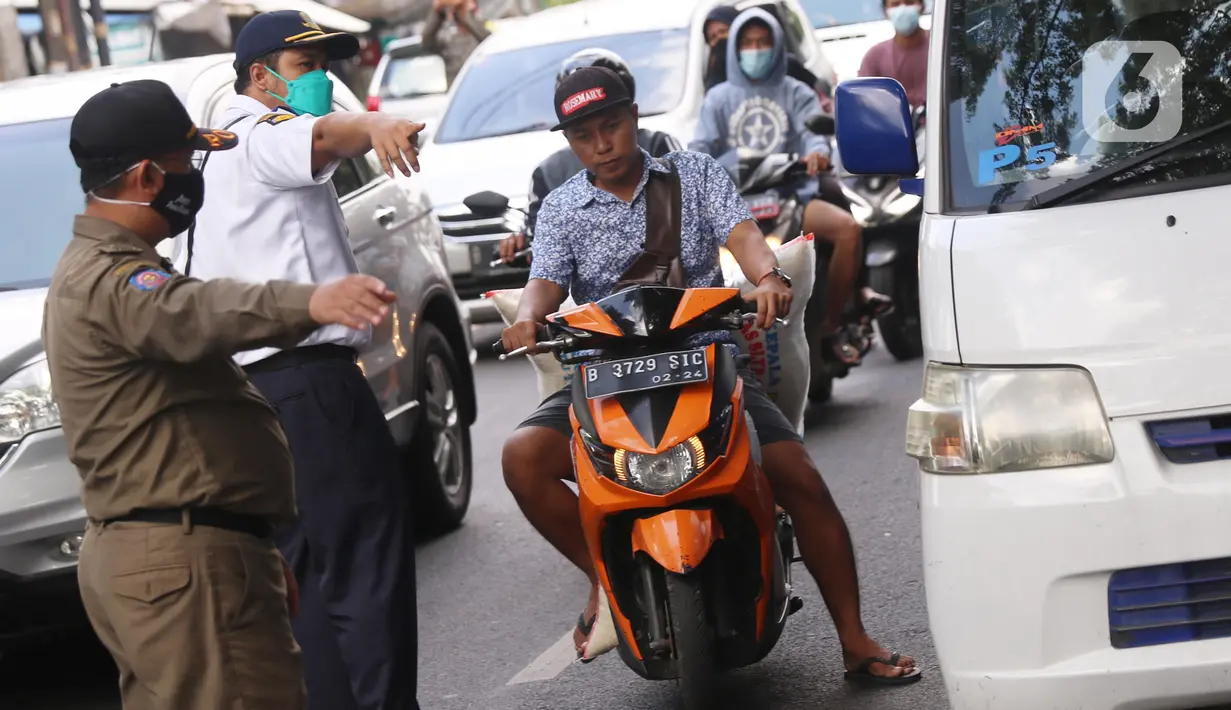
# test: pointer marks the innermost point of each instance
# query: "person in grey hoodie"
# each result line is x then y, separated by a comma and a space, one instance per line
760, 110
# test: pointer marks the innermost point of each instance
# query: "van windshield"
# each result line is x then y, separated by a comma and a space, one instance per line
39, 204
1039, 92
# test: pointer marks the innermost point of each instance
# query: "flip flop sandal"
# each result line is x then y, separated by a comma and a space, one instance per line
839, 348
600, 632
863, 672
878, 305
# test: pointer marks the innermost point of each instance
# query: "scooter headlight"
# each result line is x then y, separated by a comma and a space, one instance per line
660, 474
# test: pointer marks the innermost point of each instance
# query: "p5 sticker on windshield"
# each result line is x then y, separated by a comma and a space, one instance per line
994, 160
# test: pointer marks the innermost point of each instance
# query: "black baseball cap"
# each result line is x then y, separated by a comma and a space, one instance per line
284, 29
587, 91
134, 121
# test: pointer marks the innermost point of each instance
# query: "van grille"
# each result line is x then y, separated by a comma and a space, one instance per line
1152, 606
1193, 440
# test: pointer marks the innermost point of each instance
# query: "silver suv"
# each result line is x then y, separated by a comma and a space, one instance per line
419, 365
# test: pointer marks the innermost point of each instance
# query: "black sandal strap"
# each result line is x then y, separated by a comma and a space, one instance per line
586, 626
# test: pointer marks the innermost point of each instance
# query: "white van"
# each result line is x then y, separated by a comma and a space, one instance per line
1074, 433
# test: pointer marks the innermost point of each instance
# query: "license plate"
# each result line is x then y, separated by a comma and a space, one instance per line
764, 206
645, 373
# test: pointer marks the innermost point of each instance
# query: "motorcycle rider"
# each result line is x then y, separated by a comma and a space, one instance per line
761, 110
599, 121
563, 164
717, 28
905, 56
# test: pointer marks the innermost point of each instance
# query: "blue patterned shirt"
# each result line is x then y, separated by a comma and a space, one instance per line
586, 238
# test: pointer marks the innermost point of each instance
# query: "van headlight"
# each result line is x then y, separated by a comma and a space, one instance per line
27, 404
997, 420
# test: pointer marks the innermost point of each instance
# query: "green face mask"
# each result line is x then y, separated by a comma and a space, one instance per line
311, 93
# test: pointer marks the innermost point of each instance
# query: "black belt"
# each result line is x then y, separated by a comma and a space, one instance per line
208, 517
307, 354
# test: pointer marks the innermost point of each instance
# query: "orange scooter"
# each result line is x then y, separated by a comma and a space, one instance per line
693, 555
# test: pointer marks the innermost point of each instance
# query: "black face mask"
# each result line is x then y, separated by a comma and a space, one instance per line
717, 71
179, 200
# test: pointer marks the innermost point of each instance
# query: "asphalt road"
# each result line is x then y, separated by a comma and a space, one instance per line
495, 601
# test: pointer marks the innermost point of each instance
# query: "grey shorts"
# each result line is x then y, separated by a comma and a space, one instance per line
771, 424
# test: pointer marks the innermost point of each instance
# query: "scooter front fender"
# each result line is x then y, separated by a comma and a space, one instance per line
678, 540
880, 253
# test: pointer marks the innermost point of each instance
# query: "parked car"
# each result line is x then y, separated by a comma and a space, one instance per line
496, 128
419, 363
411, 82
847, 29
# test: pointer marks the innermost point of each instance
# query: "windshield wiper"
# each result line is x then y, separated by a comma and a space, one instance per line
1067, 189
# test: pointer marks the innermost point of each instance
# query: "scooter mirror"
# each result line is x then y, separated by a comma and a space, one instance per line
487, 203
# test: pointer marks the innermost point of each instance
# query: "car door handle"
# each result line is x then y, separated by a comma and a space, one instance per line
385, 215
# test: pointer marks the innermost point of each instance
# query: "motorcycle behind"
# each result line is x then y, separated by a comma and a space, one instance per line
692, 554
768, 183
890, 220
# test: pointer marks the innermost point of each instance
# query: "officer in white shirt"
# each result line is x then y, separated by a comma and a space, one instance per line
273, 213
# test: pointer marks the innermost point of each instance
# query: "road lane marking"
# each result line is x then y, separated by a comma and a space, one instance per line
550, 663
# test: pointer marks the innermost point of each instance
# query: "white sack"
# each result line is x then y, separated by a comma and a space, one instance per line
779, 355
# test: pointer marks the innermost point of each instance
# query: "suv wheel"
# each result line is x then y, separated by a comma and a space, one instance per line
439, 457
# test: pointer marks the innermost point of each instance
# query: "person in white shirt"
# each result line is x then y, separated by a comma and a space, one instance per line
273, 213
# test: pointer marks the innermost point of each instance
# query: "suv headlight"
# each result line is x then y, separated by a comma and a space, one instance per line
27, 404
998, 420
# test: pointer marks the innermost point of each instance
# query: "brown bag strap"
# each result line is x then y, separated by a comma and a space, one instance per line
659, 261
662, 213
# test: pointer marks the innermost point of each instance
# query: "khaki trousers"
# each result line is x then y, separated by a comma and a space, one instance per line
195, 617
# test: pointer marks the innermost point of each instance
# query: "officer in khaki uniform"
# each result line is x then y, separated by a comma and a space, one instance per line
185, 468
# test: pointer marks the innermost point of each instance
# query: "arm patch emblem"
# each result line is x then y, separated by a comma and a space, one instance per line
148, 279
274, 119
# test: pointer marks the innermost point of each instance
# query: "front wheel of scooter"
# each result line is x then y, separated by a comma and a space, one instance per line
694, 641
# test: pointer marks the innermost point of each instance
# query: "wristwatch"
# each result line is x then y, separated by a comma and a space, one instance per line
777, 271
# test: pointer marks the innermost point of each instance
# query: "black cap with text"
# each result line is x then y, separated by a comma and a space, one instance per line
134, 121
586, 92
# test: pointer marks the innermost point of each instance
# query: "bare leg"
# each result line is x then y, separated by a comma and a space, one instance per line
536, 464
825, 545
840, 229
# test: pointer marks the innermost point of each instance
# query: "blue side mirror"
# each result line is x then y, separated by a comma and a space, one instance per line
875, 129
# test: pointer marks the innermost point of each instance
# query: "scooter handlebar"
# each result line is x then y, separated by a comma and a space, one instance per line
519, 259
563, 342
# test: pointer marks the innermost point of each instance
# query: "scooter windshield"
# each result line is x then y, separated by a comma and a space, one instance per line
653, 313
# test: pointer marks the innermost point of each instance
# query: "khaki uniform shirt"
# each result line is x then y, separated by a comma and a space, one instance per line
155, 412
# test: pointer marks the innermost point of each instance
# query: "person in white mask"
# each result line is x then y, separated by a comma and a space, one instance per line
905, 57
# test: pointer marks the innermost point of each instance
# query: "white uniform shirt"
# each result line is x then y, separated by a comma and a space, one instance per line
267, 217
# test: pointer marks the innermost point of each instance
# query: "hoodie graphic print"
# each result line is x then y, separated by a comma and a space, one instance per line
756, 118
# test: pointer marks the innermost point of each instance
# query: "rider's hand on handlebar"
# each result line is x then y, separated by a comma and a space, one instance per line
773, 299
511, 245
815, 162
523, 333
